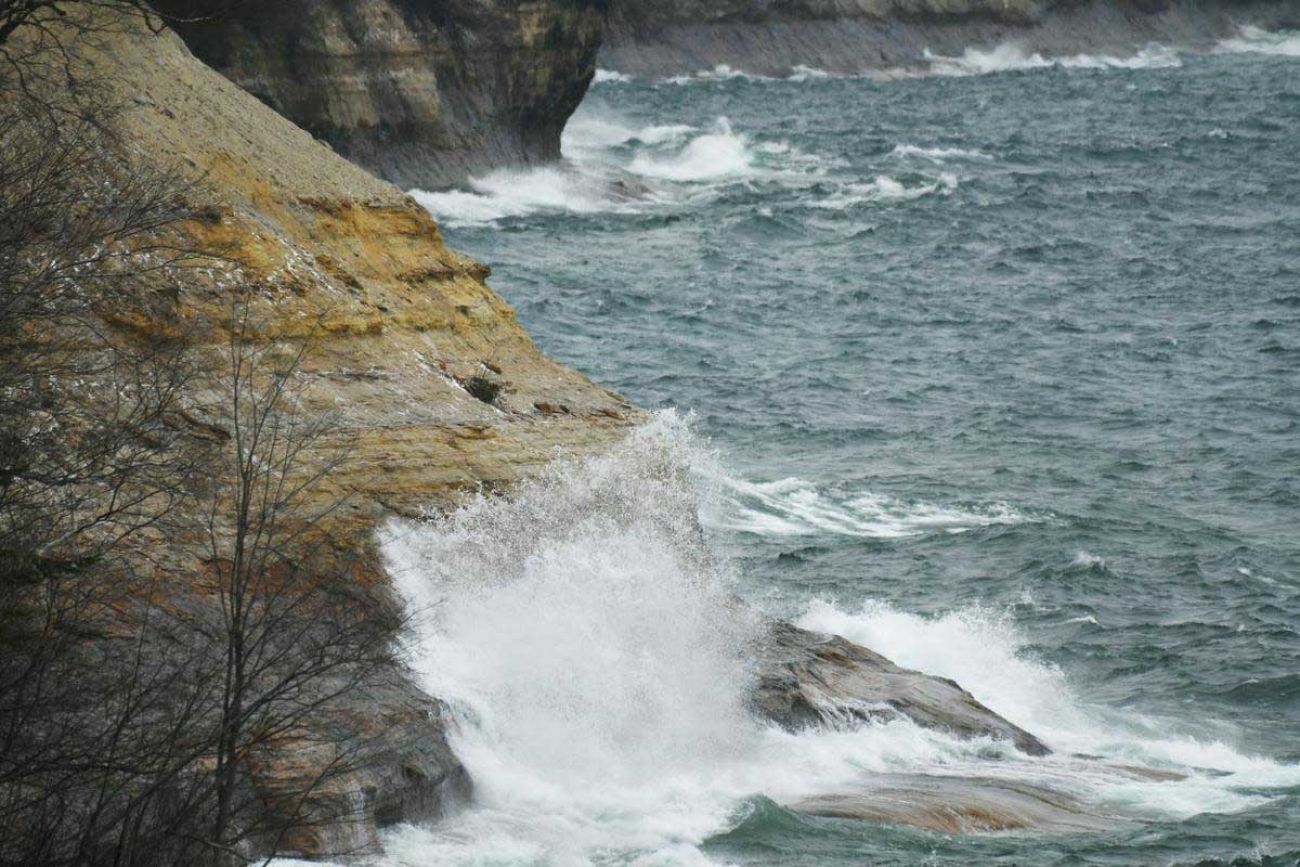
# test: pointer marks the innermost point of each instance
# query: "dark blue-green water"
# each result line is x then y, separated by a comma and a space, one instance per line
1005, 369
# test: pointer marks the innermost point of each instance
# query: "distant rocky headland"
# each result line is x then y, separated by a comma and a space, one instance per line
857, 36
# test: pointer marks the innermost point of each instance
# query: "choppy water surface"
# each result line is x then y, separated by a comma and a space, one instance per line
996, 371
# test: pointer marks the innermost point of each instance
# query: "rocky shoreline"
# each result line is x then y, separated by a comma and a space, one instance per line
409, 330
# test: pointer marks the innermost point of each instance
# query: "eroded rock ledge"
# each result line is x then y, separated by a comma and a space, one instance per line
398, 330
810, 679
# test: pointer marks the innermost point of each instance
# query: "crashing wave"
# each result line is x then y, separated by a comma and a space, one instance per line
1255, 40
586, 637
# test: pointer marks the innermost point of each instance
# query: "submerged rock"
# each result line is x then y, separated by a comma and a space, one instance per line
960, 805
809, 678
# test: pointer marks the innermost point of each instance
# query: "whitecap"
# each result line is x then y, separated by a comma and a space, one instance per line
1085, 560
807, 73
794, 507
610, 76
1010, 57
721, 72
885, 189
937, 154
587, 132
512, 193
613, 166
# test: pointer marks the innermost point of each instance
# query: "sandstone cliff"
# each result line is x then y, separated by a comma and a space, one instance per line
420, 93
770, 37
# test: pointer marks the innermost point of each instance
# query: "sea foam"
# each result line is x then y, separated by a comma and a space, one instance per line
720, 153
612, 166
794, 507
937, 154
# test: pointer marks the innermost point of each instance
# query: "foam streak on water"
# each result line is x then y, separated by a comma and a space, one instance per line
794, 507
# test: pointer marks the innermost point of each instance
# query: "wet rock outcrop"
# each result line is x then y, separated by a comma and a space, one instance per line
420, 93
401, 769
808, 679
770, 37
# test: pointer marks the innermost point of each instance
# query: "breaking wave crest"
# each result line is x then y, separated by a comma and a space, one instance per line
613, 167
984, 651
937, 154
717, 154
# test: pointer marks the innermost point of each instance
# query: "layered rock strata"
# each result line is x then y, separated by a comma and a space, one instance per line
430, 385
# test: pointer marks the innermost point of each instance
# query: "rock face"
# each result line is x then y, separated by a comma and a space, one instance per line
400, 334
808, 679
400, 326
770, 37
421, 93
